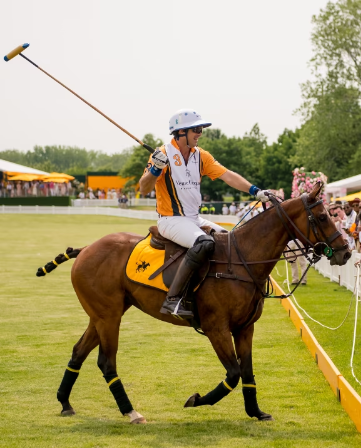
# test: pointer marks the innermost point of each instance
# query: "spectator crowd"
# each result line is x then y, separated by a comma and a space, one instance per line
242, 210
18, 189
102, 194
347, 218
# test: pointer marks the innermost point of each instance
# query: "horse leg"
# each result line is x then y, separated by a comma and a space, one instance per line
243, 343
108, 331
223, 346
81, 350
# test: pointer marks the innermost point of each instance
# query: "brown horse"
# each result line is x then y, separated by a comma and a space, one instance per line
228, 307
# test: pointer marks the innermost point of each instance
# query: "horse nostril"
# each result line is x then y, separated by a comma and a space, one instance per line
347, 256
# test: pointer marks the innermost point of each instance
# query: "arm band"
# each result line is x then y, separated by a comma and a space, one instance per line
155, 171
253, 190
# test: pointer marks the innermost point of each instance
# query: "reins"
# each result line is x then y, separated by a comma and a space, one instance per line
318, 249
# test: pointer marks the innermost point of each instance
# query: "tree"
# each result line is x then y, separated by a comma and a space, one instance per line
331, 128
13, 155
336, 42
330, 138
138, 160
241, 155
71, 160
275, 164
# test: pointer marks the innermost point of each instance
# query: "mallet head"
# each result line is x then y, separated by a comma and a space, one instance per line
15, 52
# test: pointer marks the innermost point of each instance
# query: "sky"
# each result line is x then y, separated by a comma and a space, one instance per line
235, 62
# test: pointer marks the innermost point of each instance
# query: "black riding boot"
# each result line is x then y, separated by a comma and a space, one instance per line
193, 260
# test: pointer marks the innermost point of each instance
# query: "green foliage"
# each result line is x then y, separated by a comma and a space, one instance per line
71, 160
275, 165
265, 166
138, 159
329, 138
336, 42
240, 155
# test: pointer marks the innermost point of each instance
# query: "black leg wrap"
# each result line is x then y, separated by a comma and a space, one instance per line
121, 397
232, 381
68, 381
250, 402
214, 396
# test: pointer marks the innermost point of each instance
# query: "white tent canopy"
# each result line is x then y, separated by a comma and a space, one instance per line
342, 187
14, 168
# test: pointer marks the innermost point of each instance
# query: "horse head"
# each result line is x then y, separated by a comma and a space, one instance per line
319, 231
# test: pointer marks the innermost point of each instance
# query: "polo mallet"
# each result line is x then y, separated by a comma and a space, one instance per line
21, 48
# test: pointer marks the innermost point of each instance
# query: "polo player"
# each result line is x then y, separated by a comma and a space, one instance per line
175, 171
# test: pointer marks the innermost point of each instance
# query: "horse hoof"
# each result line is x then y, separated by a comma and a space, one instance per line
139, 421
190, 403
265, 417
67, 413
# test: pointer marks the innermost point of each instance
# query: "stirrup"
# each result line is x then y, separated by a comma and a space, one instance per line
175, 312
175, 309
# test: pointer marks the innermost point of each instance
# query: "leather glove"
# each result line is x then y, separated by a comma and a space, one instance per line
262, 195
159, 159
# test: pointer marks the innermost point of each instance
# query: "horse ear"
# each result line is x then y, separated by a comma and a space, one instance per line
315, 191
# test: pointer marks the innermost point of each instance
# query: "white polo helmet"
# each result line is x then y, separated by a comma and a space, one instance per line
186, 119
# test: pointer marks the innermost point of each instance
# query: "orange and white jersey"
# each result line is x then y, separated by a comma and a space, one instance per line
178, 187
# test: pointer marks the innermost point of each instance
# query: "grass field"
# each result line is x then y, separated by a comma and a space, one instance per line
328, 303
160, 365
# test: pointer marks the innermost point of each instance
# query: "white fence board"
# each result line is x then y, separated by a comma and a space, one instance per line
111, 202
107, 211
344, 275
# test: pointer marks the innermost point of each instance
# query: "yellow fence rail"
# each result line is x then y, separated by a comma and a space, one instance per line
345, 394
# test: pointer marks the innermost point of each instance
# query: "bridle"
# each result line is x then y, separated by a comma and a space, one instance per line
320, 248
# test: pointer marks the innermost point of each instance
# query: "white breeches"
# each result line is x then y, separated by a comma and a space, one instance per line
301, 261
184, 230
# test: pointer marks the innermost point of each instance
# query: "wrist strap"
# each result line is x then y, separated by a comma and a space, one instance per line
155, 171
253, 190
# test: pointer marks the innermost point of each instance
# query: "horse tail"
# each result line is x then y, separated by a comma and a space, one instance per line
61, 258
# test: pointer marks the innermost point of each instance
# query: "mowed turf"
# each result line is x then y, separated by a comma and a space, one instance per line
329, 303
160, 365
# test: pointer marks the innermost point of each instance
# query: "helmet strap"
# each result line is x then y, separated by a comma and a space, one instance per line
184, 135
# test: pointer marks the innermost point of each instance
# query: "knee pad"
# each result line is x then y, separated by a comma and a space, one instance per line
201, 250
204, 243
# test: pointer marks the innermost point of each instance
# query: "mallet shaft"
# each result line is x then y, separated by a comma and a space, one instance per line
86, 102
21, 48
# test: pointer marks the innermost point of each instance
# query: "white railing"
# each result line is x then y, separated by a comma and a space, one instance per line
99, 210
55, 210
111, 202
344, 275
142, 201
94, 202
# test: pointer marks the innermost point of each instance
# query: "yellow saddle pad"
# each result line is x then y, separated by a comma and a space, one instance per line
143, 261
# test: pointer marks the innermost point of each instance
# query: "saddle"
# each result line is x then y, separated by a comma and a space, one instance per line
174, 253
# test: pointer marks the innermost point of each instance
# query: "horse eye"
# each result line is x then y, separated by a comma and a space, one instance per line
322, 217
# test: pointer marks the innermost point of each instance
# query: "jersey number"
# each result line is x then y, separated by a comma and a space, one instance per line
177, 159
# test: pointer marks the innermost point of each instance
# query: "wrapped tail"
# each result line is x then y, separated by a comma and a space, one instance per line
61, 258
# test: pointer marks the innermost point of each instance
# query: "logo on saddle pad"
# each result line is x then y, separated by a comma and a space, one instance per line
142, 266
